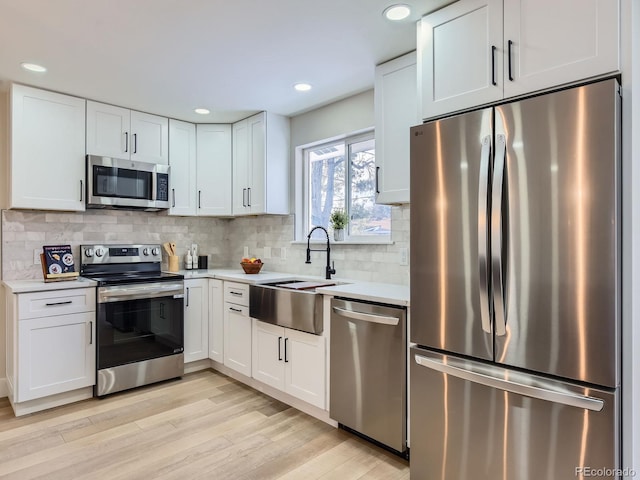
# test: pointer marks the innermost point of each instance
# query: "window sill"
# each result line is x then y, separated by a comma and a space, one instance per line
344, 242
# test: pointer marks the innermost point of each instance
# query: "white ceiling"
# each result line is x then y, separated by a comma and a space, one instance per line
235, 58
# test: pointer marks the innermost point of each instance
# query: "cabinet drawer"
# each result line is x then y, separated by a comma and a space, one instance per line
237, 293
56, 302
242, 310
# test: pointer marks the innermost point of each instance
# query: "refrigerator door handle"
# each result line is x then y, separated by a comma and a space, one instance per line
483, 239
366, 317
496, 236
549, 394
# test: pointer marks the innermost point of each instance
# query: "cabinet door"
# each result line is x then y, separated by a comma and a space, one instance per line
216, 321
240, 167
149, 140
257, 163
55, 354
214, 180
196, 320
458, 66
304, 357
268, 354
108, 130
396, 110
556, 42
47, 161
182, 158
237, 338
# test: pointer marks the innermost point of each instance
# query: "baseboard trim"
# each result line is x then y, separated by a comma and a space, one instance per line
4, 389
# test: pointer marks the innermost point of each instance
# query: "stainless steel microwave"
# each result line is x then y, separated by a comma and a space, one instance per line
117, 183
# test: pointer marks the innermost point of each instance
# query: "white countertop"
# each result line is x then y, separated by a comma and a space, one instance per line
370, 291
26, 286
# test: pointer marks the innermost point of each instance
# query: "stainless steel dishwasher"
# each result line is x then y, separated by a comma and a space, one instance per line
368, 373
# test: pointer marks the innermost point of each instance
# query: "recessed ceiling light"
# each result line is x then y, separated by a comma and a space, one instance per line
302, 87
202, 111
33, 67
397, 12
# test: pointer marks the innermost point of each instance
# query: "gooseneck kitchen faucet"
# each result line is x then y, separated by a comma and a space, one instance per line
329, 269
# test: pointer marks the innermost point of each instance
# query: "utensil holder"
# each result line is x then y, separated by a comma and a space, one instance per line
174, 263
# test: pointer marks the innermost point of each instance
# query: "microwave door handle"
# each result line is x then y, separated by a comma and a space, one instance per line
497, 259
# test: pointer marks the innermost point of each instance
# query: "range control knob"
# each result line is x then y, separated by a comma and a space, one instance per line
145, 251
155, 251
99, 252
88, 252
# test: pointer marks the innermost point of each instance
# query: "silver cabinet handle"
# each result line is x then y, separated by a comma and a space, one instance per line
244, 202
366, 317
456, 369
187, 297
496, 236
173, 191
483, 233
59, 303
249, 197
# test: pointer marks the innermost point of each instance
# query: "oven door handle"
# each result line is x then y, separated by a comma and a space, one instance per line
140, 291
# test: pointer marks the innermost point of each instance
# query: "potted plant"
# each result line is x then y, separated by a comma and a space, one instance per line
339, 220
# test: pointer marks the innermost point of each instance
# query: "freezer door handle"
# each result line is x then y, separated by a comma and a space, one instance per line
496, 236
366, 317
483, 238
550, 394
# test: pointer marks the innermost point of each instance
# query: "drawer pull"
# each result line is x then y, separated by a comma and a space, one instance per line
237, 294
58, 303
235, 310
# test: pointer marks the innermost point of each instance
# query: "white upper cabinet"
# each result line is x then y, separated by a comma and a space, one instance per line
459, 65
200, 159
475, 52
396, 110
182, 159
121, 133
579, 39
261, 165
47, 165
213, 178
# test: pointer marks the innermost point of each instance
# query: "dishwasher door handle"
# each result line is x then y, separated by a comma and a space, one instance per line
366, 317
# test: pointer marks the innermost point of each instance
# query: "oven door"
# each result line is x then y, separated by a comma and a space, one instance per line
138, 322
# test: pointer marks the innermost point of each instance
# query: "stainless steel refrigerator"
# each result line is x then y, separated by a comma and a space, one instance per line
515, 289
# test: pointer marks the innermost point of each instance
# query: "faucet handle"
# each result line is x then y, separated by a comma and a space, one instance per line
333, 267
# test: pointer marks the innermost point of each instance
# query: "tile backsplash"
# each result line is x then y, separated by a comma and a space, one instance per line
223, 240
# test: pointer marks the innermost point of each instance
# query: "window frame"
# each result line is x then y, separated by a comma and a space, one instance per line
302, 203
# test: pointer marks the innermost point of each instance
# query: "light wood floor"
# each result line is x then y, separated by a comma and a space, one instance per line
205, 425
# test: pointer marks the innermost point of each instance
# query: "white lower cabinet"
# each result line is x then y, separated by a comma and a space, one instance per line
56, 354
196, 319
216, 321
291, 361
237, 338
50, 344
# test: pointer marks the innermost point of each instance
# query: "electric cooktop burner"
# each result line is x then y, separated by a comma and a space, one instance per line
118, 264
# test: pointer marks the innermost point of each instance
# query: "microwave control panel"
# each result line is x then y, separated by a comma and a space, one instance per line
162, 188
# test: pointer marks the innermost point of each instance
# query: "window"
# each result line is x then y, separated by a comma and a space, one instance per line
341, 175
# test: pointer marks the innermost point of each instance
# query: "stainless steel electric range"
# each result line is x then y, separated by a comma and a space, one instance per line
140, 316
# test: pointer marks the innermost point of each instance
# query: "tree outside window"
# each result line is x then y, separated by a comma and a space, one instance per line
342, 176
